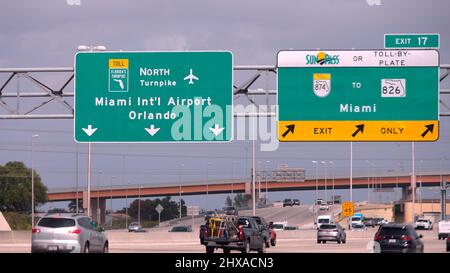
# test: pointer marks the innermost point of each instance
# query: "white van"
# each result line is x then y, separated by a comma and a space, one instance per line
443, 229
323, 219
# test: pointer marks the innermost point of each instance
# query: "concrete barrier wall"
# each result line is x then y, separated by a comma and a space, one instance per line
4, 226
15, 237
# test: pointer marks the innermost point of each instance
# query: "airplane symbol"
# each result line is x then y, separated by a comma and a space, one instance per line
191, 77
120, 83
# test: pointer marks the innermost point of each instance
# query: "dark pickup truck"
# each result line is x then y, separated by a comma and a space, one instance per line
233, 233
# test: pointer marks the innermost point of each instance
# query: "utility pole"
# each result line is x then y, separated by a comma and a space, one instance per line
413, 181
32, 179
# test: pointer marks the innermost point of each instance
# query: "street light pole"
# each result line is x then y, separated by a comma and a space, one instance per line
267, 193
413, 180
32, 179
332, 171
179, 181
351, 171
126, 205
111, 199
317, 179
98, 196
180, 202
253, 168
259, 181
89, 174
326, 174
139, 207
76, 179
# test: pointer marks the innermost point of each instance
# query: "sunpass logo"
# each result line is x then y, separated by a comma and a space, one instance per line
322, 58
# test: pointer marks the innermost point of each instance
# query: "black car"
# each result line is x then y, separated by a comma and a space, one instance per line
448, 244
181, 229
288, 202
230, 211
296, 202
369, 222
398, 238
378, 221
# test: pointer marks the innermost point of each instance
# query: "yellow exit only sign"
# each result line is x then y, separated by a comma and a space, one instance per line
348, 209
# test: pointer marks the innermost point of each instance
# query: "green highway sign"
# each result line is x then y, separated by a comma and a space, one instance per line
418, 41
358, 95
153, 96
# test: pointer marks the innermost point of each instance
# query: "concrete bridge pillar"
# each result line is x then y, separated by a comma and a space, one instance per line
98, 209
406, 193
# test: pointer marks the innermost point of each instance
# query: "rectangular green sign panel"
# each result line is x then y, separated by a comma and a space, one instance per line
411, 40
357, 85
153, 96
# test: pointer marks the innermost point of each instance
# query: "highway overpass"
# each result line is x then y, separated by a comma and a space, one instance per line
227, 186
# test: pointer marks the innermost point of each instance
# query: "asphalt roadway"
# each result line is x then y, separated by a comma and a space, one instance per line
159, 240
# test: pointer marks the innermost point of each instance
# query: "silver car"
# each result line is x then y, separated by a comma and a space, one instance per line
68, 233
331, 232
135, 226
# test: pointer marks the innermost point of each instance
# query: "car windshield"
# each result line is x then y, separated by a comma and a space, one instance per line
134, 224
422, 221
56, 222
258, 220
356, 219
229, 208
180, 229
321, 221
328, 226
277, 226
387, 231
243, 222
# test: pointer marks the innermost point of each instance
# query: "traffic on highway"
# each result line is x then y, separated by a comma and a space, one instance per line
225, 135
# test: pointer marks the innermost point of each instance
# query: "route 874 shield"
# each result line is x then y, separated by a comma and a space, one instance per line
322, 84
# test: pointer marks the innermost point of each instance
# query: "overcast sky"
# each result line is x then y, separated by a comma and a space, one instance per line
46, 33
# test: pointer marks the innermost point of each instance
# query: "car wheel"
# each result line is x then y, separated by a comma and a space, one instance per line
273, 242
105, 248
246, 247
209, 249
86, 248
262, 249
324, 242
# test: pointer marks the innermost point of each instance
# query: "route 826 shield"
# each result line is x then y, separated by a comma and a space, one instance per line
322, 84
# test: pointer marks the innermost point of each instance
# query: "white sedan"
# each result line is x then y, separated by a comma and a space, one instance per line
424, 224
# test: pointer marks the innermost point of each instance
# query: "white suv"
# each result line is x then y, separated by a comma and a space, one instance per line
423, 224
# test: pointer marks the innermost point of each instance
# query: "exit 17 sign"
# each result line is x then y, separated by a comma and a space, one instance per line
358, 95
405, 40
153, 96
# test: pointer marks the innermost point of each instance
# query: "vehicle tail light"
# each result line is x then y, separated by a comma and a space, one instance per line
35, 230
241, 233
378, 237
75, 231
406, 238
